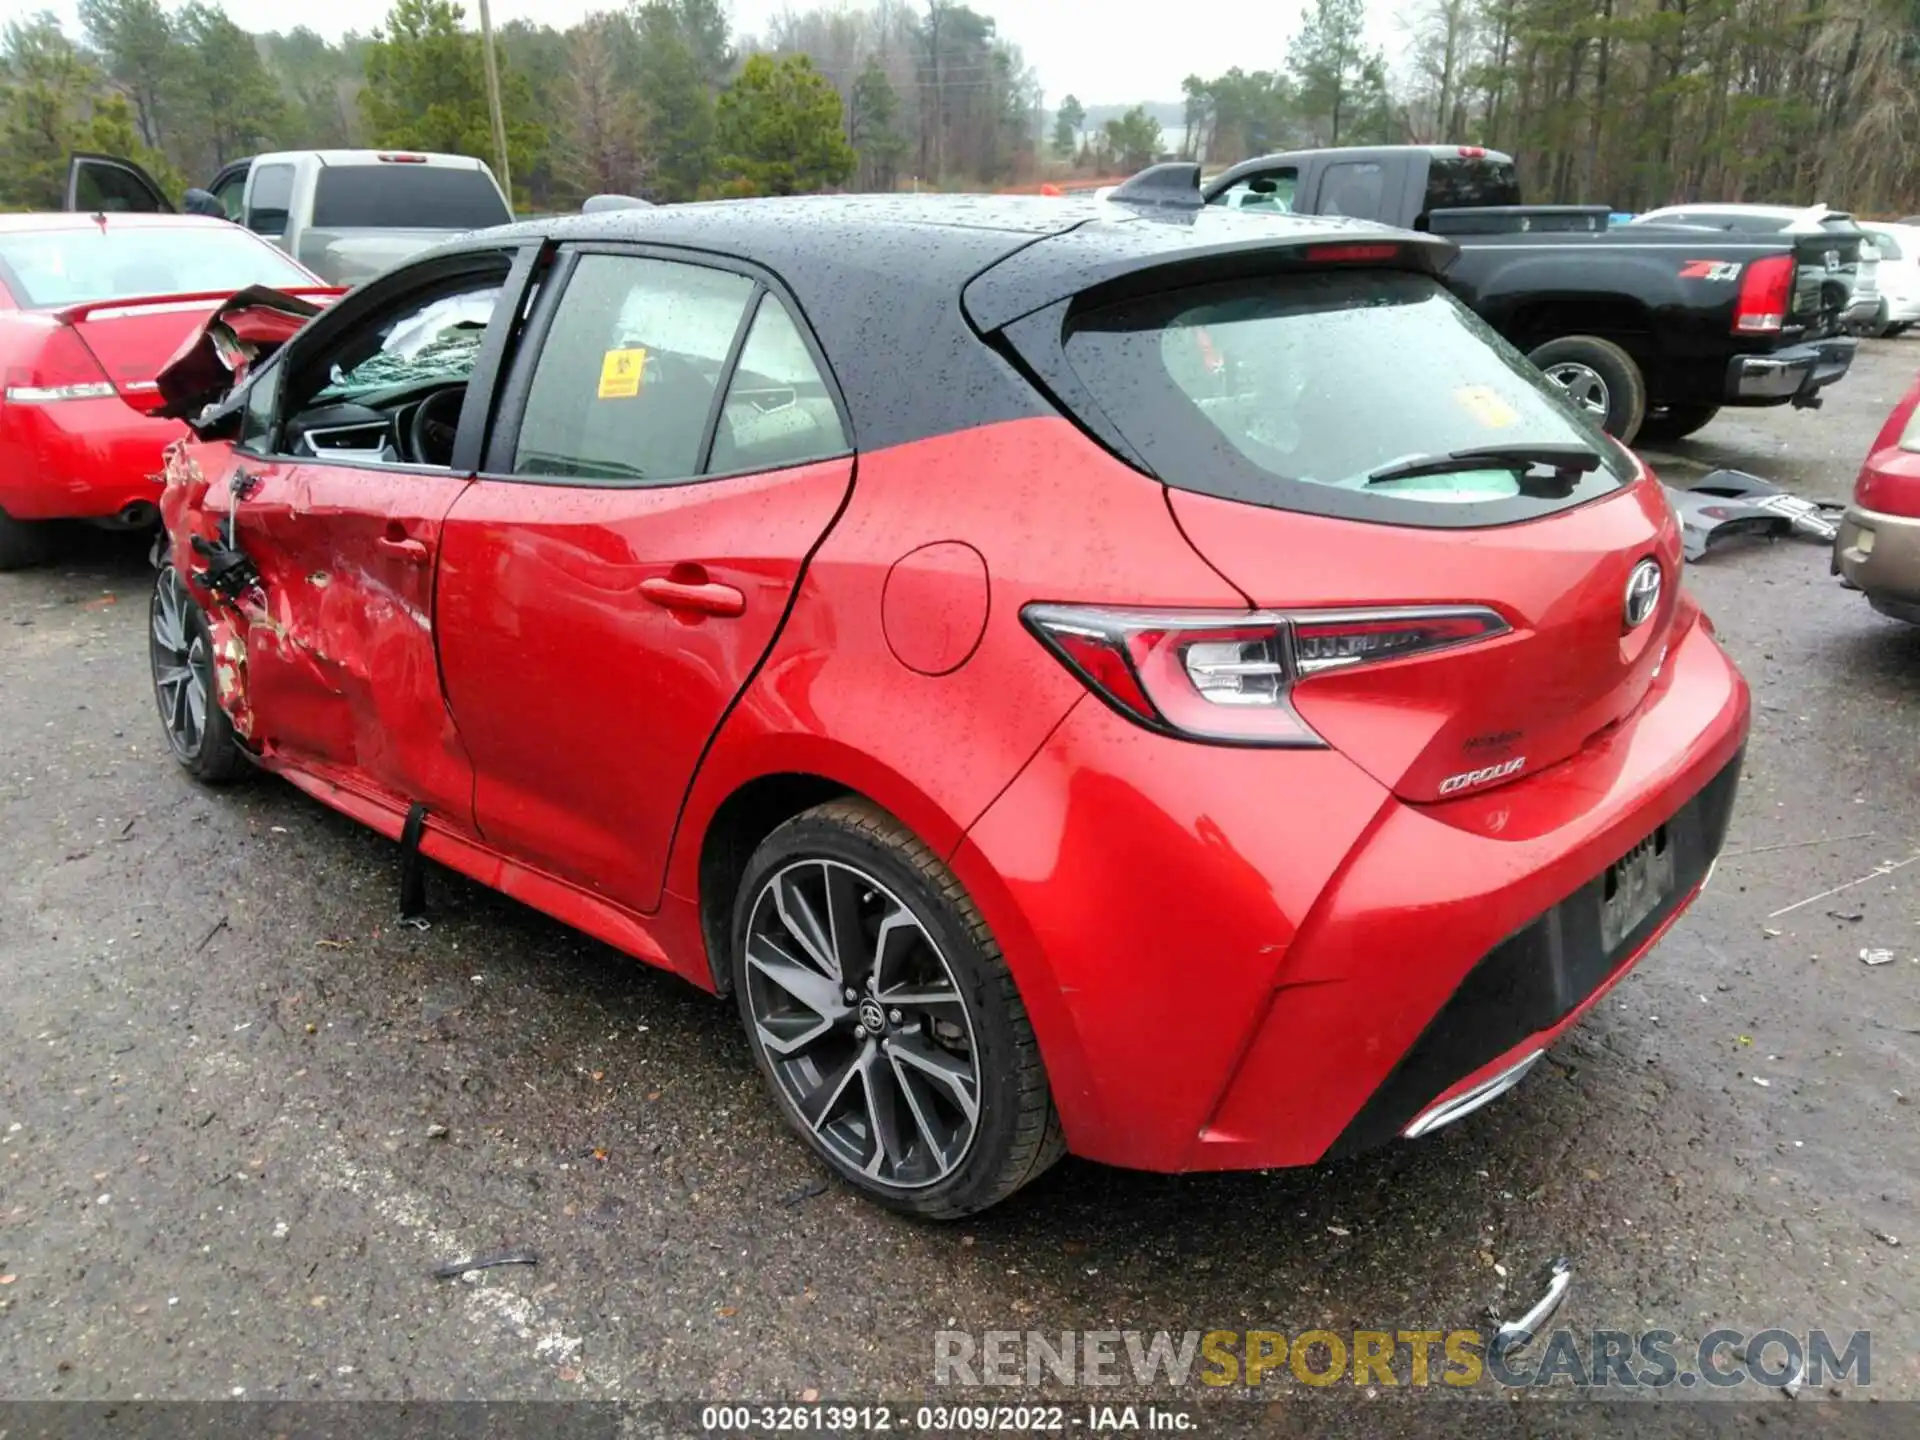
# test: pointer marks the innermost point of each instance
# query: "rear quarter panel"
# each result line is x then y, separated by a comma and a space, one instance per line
1052, 517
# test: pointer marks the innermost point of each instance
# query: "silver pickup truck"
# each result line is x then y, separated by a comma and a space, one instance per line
346, 215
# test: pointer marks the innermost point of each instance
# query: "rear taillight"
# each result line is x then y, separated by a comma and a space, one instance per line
1766, 296
1910, 436
1229, 676
65, 369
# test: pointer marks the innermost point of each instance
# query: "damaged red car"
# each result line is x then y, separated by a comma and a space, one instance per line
1059, 667
91, 308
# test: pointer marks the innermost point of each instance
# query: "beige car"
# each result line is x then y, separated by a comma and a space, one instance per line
1878, 548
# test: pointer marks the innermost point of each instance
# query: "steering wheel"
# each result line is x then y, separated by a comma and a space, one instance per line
435, 419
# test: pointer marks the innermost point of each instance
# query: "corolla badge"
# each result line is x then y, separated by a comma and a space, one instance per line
1453, 784
1643, 594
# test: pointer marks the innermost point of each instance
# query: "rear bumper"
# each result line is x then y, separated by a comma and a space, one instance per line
1794, 375
1240, 959
80, 459
1880, 554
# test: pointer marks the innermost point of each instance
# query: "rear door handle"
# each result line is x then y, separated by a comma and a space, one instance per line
707, 599
401, 548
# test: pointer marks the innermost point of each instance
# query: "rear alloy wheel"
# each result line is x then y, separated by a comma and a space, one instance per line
1675, 422
180, 648
23, 542
883, 1017
1599, 378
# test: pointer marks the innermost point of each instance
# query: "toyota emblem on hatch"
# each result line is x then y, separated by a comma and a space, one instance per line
1643, 593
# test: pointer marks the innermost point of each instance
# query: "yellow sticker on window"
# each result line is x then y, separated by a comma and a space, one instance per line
621, 372
1485, 404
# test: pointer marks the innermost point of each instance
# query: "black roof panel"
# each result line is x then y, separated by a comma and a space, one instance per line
880, 278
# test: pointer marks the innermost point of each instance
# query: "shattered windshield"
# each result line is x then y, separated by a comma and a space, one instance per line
437, 342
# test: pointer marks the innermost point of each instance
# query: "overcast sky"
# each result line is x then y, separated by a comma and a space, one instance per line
1104, 51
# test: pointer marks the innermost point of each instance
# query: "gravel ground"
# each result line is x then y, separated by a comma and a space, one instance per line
243, 1114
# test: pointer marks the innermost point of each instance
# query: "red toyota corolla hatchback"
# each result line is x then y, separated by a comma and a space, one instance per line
1168, 686
91, 306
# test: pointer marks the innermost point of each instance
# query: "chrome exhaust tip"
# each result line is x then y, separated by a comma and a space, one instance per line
1468, 1101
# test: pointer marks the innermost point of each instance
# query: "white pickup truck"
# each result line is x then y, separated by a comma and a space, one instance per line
346, 215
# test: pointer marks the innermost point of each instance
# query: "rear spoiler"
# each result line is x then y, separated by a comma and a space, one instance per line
189, 300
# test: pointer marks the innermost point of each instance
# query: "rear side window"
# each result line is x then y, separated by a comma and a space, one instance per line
627, 375
1884, 242
1295, 391
269, 200
1466, 182
402, 196
778, 411
1353, 188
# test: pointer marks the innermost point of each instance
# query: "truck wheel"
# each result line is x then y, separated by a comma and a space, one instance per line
23, 542
1600, 378
1675, 422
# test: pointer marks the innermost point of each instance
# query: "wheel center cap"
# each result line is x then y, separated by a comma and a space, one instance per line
872, 1018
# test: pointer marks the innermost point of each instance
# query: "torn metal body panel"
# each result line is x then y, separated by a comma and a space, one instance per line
1730, 505
245, 330
323, 648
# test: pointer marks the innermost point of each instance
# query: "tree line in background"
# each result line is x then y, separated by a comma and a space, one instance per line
1634, 103
659, 98
1629, 102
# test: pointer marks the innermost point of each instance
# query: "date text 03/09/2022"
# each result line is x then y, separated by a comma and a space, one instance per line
854, 1419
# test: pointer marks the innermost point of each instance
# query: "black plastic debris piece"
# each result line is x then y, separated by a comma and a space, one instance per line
455, 1269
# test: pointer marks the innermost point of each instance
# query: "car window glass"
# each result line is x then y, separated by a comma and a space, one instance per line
777, 411
111, 189
363, 394
399, 196
1226, 390
626, 377
69, 265
270, 200
1353, 188
434, 340
1469, 181
1270, 190
1888, 247
256, 419
232, 194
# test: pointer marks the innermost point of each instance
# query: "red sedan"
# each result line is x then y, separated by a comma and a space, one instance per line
1173, 687
1878, 548
91, 306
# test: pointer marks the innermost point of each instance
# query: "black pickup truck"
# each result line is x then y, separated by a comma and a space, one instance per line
1652, 328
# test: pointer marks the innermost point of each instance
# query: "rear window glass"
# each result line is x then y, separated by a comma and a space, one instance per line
1294, 391
71, 266
400, 196
1465, 182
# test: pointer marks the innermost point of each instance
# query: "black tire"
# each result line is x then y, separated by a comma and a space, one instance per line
1894, 332
1675, 422
1614, 394
180, 657
23, 542
900, 886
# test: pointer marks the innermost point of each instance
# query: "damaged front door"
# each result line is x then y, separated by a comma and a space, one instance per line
339, 484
